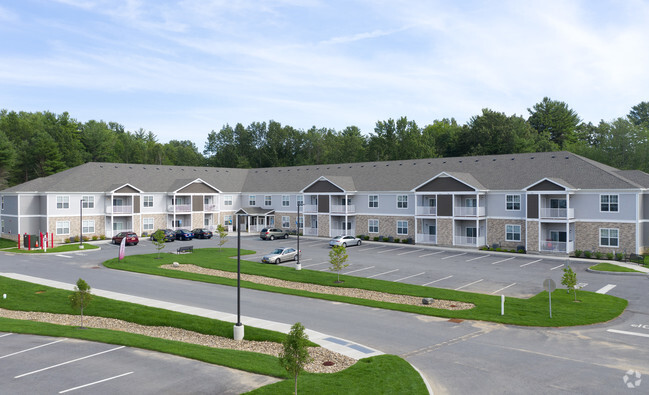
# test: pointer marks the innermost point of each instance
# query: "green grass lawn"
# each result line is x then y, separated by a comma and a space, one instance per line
399, 377
609, 267
62, 248
6, 243
593, 307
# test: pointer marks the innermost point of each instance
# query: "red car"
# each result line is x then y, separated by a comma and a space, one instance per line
131, 238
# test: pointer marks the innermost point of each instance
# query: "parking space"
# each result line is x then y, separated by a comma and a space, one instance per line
41, 364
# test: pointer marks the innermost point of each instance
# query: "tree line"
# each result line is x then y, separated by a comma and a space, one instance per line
38, 144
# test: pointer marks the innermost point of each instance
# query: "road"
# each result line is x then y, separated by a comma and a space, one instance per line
456, 357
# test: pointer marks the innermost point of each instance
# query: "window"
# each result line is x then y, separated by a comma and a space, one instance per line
3, 226
608, 203
286, 221
227, 200
63, 202
2, 205
402, 227
268, 200
88, 201
402, 201
147, 201
513, 232
286, 200
373, 226
300, 199
513, 202
88, 226
374, 201
609, 237
147, 224
62, 227
301, 221
227, 220
252, 200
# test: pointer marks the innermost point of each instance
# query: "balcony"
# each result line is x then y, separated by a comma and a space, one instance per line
426, 210
180, 208
343, 209
469, 241
561, 247
310, 231
310, 208
210, 207
119, 210
467, 211
339, 230
557, 213
426, 238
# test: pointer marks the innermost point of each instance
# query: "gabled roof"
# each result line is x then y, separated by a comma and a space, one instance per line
254, 211
559, 183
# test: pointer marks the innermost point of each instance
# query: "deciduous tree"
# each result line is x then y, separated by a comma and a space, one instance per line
338, 258
81, 297
295, 355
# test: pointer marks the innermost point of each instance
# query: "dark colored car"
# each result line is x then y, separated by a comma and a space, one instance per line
184, 234
202, 234
273, 233
169, 235
131, 238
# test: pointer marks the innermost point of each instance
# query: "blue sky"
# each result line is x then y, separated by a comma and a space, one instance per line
184, 68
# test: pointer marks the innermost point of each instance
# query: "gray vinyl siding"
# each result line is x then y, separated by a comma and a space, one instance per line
388, 204
644, 206
10, 224
31, 225
496, 205
644, 236
587, 207
10, 205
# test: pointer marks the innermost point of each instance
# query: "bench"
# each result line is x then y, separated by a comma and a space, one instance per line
636, 258
184, 249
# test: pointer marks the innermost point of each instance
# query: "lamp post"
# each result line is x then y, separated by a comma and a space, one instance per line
238, 328
298, 265
81, 224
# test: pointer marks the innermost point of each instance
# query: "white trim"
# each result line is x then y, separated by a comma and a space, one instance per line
378, 224
520, 202
599, 237
397, 227
609, 203
520, 234
397, 202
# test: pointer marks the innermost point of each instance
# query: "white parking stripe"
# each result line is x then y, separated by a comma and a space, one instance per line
358, 270
502, 260
414, 275
67, 362
453, 256
627, 333
432, 253
33, 348
556, 267
605, 289
315, 264
380, 274
64, 256
93, 383
438, 280
473, 259
503, 288
409, 252
6, 334
393, 249
464, 286
529, 263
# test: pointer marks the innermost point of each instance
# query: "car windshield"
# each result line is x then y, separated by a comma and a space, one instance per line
337, 237
278, 251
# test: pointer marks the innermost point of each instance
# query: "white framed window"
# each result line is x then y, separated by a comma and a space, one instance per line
609, 237
227, 220
3, 225
286, 200
513, 203
147, 201
402, 201
373, 226
88, 226
402, 227
286, 221
227, 200
62, 227
63, 202
147, 224
513, 232
88, 201
608, 203
373, 201
268, 200
301, 221
252, 200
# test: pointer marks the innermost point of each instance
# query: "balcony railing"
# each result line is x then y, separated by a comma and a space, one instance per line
180, 208
557, 246
426, 238
310, 208
469, 241
466, 211
426, 210
310, 231
210, 207
119, 209
339, 230
342, 209
561, 213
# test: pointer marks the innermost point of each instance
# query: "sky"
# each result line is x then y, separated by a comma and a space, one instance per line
184, 68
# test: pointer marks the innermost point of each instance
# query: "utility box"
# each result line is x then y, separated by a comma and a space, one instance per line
30, 241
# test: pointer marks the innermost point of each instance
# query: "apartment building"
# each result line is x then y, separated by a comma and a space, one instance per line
551, 202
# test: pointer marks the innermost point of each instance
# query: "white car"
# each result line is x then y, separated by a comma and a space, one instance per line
345, 241
279, 255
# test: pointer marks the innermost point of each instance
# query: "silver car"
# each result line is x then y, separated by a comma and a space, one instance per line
279, 255
345, 241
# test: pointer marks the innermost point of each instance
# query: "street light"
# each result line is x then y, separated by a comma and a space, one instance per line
81, 224
238, 328
298, 265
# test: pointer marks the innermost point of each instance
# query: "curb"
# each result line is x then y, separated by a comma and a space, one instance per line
617, 273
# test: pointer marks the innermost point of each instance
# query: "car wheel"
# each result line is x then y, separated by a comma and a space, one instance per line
134, 244
359, 243
277, 261
272, 237
345, 245
286, 236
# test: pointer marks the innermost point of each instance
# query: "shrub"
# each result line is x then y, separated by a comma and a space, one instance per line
587, 254
95, 237
66, 241
360, 236
512, 250
521, 250
499, 249
145, 234
484, 248
578, 253
102, 237
619, 256
610, 256
396, 240
366, 238
598, 255
376, 238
